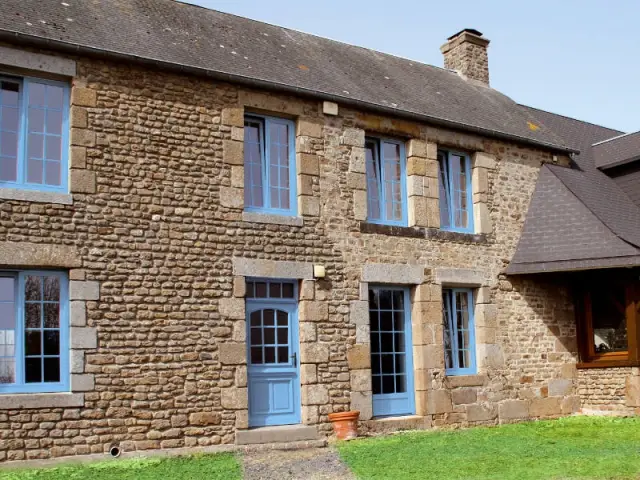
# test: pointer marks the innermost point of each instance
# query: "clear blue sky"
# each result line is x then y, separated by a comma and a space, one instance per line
576, 58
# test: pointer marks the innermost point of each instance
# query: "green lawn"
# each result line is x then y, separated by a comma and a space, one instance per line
570, 448
199, 467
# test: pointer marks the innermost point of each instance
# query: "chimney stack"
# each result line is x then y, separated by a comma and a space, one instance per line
466, 53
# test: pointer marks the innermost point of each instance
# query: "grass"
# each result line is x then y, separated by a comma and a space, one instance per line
198, 467
569, 448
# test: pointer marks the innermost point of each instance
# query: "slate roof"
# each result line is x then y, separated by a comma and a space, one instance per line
228, 47
579, 218
617, 151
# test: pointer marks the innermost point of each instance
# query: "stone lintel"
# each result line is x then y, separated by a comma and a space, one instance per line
35, 196
459, 276
22, 254
393, 274
41, 400
249, 267
40, 62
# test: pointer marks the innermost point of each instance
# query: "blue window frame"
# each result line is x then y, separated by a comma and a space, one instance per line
34, 134
459, 331
386, 181
269, 165
34, 332
391, 351
456, 201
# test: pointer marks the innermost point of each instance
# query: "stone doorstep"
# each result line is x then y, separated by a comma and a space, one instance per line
317, 442
279, 434
393, 424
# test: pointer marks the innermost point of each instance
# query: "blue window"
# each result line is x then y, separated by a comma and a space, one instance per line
459, 332
269, 165
456, 207
34, 332
391, 349
386, 182
34, 134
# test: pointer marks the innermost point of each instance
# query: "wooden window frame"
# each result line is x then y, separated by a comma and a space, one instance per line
584, 325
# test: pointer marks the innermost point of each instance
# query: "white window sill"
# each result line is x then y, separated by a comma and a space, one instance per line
271, 218
16, 401
35, 196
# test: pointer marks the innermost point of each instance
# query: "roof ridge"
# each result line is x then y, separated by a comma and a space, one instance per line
571, 118
183, 2
549, 167
614, 138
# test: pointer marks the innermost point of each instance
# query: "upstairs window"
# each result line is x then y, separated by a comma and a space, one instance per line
34, 339
386, 186
456, 207
33, 134
269, 165
459, 333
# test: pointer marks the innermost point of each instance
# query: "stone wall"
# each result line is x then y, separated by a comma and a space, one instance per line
157, 220
609, 390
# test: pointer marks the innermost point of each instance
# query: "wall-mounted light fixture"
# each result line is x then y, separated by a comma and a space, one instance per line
318, 271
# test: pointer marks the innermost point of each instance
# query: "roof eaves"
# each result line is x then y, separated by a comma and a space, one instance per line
34, 40
572, 265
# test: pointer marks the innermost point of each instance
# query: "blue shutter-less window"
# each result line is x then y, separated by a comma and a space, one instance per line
34, 134
269, 163
459, 331
456, 207
386, 182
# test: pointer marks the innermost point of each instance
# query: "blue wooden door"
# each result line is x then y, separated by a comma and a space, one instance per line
391, 351
273, 371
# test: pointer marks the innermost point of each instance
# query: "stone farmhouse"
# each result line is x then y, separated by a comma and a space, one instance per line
215, 231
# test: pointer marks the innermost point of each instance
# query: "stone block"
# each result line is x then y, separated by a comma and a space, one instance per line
79, 117
242, 419
357, 181
428, 356
632, 391
353, 137
418, 211
330, 108
483, 295
486, 315
481, 413
308, 164
317, 394
359, 312
205, 418
363, 334
84, 338
313, 311
360, 380
433, 168
568, 370
39, 62
459, 277
360, 205
560, 387
249, 267
305, 185
307, 290
417, 166
232, 197
78, 157
426, 334
82, 383
309, 129
433, 213
231, 308
239, 331
546, 407
362, 402
463, 396
513, 409
490, 356
458, 381
83, 137
416, 148
431, 188
566, 344
482, 218
357, 160
82, 181
480, 180
232, 116
486, 335
432, 150
83, 97
239, 287
76, 360
422, 293
439, 401
308, 373
359, 357
308, 332
427, 313
77, 314
422, 380
237, 134
570, 405
310, 414
232, 353
235, 398
241, 376
314, 353
392, 273
237, 176
232, 152
309, 206
484, 160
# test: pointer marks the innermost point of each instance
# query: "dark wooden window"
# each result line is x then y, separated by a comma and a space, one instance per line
607, 314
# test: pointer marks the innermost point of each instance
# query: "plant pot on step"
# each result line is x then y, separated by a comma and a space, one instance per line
345, 424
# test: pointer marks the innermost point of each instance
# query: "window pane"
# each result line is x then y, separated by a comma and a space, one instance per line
460, 185
445, 198
51, 369
283, 355
377, 384
53, 149
283, 336
33, 343
283, 318
33, 315
9, 118
52, 173
9, 93
256, 319
8, 169
33, 288
54, 122
268, 317
51, 289
269, 354
275, 290
8, 144
269, 336
256, 355
253, 151
7, 289
36, 120
287, 290
279, 165
609, 321
33, 370
401, 383
374, 183
51, 343
35, 146
55, 97
388, 384
392, 180
51, 315
34, 171
37, 94
256, 336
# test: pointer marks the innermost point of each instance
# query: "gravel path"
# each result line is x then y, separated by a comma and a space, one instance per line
309, 464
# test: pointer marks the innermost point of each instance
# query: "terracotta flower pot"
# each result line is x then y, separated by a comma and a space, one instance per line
345, 424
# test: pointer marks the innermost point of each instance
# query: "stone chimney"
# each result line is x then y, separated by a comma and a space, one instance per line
466, 53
